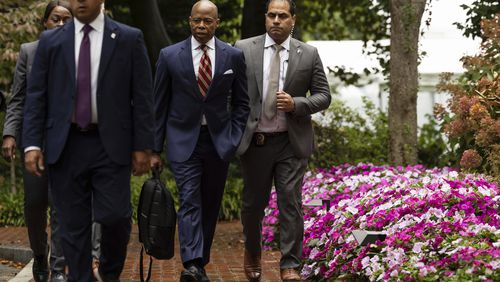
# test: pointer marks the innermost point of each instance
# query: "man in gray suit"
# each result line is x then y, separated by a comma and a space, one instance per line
278, 139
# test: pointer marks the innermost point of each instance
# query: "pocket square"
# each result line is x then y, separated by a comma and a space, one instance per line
229, 71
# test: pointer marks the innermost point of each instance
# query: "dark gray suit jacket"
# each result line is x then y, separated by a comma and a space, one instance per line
304, 75
14, 117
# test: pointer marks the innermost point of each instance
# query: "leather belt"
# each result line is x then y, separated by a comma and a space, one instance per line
89, 129
260, 138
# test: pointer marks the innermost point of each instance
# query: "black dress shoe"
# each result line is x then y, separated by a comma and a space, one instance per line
204, 276
58, 277
192, 273
40, 269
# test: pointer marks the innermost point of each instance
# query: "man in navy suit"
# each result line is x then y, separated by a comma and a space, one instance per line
201, 107
89, 105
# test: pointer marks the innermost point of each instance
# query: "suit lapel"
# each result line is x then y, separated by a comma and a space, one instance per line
220, 62
257, 53
110, 36
293, 61
185, 57
69, 50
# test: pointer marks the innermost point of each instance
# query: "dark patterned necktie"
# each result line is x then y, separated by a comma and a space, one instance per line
204, 71
83, 114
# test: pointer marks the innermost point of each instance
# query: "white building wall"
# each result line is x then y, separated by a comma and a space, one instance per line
442, 42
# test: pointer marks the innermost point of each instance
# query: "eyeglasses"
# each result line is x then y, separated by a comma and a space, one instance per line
207, 21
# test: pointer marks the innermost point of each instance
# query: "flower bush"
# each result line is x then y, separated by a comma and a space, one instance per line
472, 122
440, 225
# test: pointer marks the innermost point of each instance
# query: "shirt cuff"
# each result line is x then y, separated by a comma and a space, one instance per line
32, 148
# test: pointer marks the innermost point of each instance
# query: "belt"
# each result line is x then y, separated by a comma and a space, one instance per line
260, 138
92, 127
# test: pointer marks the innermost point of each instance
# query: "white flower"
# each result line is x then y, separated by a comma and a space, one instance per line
426, 180
445, 187
420, 264
313, 253
394, 273
495, 264
352, 210
483, 191
365, 262
463, 191
342, 203
417, 248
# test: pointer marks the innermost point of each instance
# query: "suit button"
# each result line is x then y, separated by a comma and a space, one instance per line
260, 101
256, 119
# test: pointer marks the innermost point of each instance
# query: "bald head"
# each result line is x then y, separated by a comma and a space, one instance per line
204, 20
205, 5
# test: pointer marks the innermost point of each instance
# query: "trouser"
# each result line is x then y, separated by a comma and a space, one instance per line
87, 185
261, 165
200, 181
36, 203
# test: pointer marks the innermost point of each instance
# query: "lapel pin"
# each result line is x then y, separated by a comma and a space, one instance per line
298, 51
113, 35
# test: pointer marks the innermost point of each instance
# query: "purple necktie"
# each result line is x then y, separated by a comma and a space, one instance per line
83, 114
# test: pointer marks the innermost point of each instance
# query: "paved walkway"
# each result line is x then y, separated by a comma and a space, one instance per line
226, 262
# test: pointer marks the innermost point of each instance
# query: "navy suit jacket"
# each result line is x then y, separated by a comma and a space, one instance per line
179, 105
124, 93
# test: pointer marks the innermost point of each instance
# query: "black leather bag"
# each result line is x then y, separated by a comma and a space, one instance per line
156, 219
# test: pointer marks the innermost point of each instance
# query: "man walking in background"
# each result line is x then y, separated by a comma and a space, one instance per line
278, 139
91, 109
201, 107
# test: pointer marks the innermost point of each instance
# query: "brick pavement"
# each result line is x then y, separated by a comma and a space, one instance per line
226, 262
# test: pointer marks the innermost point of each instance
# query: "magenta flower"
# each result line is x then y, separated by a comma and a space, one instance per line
438, 224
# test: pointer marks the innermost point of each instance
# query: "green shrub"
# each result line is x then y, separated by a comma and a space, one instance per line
11, 209
433, 148
351, 137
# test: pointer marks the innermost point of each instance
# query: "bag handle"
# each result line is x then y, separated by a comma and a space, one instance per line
156, 172
141, 268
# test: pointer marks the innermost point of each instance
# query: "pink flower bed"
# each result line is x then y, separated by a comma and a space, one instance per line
440, 225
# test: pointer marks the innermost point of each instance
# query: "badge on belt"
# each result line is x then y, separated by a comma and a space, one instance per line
259, 139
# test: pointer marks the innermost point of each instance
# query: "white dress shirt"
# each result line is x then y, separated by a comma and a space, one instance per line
95, 36
278, 123
197, 53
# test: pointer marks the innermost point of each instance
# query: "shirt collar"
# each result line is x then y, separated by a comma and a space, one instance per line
270, 42
97, 24
195, 44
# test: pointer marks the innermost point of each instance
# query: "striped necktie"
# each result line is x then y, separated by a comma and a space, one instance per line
204, 72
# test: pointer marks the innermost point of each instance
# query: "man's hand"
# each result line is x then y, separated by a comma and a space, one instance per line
284, 102
140, 162
9, 148
33, 162
156, 162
